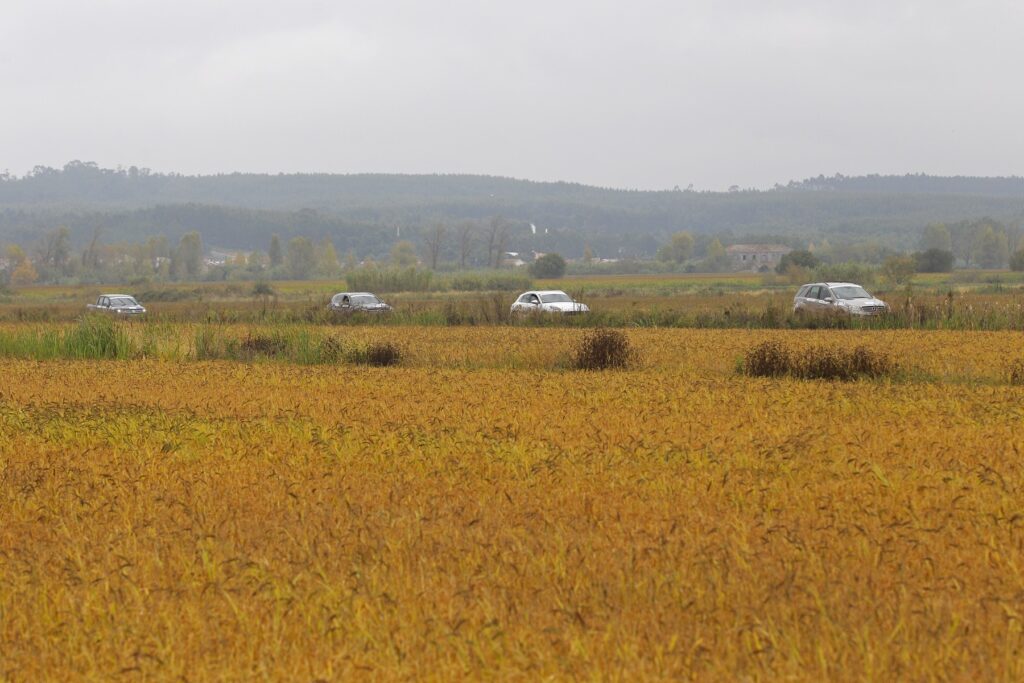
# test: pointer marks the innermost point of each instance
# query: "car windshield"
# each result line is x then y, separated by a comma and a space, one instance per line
851, 292
123, 301
555, 298
365, 300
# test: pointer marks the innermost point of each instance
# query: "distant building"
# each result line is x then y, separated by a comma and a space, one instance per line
512, 259
756, 257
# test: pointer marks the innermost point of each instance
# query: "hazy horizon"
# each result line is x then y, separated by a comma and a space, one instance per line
649, 97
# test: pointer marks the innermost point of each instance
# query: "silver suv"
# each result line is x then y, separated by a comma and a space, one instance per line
837, 297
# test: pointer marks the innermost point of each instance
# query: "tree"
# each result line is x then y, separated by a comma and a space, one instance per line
275, 253
433, 239
991, 248
55, 250
497, 238
937, 237
798, 258
327, 259
156, 250
15, 255
899, 270
350, 260
1017, 260
934, 261
91, 255
467, 242
403, 254
716, 260
300, 261
264, 291
588, 254
187, 260
24, 273
678, 249
548, 266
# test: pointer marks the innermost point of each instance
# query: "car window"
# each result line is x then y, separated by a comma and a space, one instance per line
812, 292
556, 297
802, 291
824, 293
852, 292
534, 299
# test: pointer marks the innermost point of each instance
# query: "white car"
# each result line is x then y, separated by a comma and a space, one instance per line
837, 297
548, 301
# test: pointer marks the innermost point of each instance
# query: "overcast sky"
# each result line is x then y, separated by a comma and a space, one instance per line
638, 94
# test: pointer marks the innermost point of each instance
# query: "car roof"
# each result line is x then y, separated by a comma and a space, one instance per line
354, 294
127, 295
831, 284
544, 291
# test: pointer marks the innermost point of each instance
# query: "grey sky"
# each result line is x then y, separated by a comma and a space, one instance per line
641, 94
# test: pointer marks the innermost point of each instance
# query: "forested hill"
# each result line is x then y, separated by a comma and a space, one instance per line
920, 183
86, 185
366, 212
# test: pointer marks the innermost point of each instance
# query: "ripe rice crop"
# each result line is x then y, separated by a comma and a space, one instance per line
482, 512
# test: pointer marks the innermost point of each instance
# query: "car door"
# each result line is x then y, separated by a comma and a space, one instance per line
800, 300
826, 306
810, 303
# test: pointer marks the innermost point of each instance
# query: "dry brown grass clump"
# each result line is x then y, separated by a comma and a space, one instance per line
263, 345
773, 359
768, 359
380, 354
1016, 374
603, 349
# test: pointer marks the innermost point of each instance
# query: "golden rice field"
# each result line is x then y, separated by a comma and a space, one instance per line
480, 512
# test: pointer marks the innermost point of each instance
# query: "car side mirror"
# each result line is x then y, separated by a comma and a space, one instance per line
830, 300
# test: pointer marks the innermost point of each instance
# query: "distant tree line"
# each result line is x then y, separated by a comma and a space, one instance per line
366, 213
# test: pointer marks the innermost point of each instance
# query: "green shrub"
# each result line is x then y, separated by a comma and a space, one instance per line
935, 261
549, 266
798, 258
